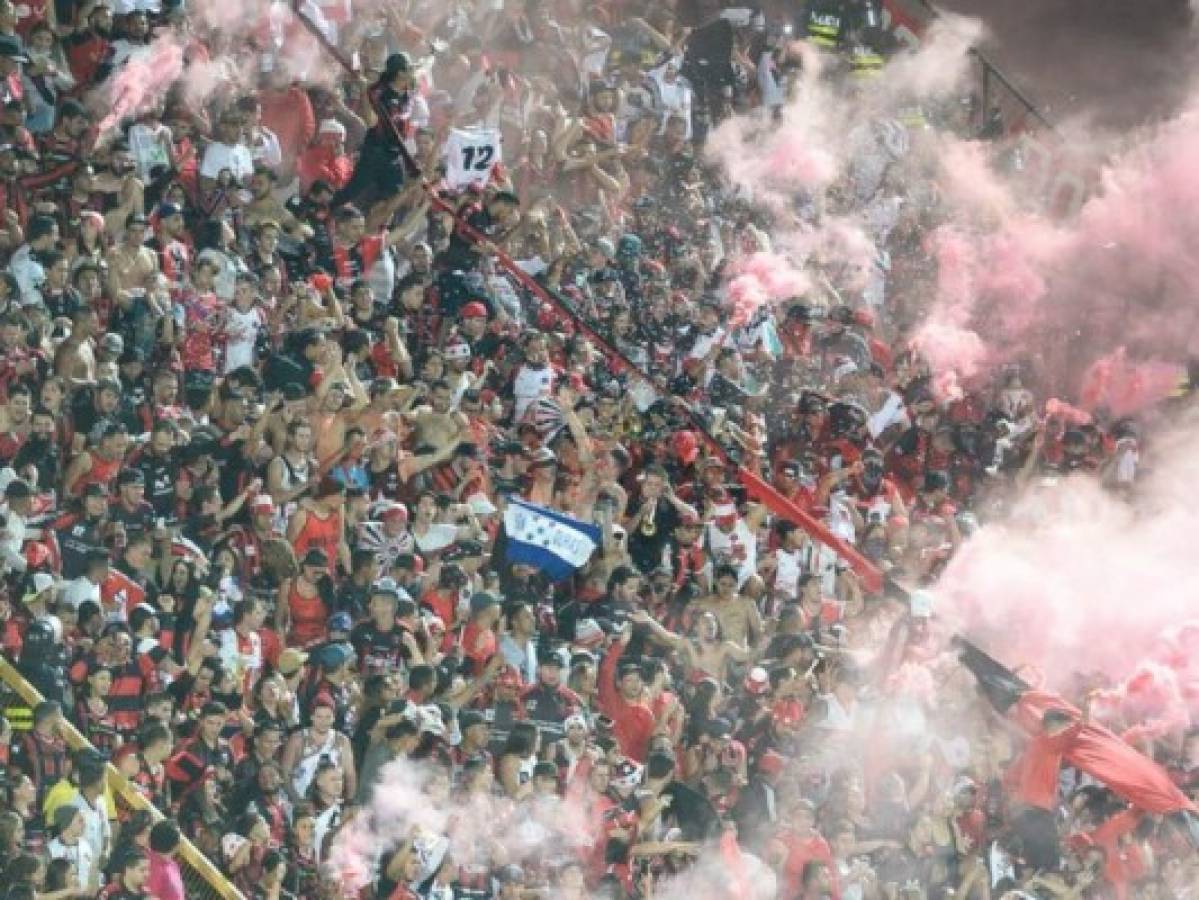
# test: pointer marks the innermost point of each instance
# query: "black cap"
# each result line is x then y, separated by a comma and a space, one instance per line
18, 489
463, 550
547, 656
316, 558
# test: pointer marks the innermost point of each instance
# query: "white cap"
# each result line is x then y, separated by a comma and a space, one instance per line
457, 350
332, 126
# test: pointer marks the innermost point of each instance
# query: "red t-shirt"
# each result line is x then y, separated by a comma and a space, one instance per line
478, 645
633, 722
801, 851
1033, 778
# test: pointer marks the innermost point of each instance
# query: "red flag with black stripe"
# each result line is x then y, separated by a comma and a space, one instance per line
1091, 748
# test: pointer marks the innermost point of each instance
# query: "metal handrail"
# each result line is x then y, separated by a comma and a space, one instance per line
203, 879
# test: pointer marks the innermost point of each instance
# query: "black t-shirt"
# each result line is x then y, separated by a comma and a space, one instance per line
160, 473
378, 651
462, 254
75, 540
691, 812
137, 521
44, 455
646, 548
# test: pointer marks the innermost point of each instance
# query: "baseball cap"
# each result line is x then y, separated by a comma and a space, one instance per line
725, 513
340, 621
757, 682
262, 504
39, 584
332, 656
547, 656
332, 126
393, 510
291, 660
386, 587
457, 350
474, 310
482, 601
316, 558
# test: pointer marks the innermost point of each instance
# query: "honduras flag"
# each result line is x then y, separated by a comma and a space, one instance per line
556, 544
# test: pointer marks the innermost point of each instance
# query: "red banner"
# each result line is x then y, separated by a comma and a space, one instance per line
872, 578
1103, 756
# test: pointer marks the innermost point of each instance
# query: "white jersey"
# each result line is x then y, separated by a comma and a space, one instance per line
738, 548
788, 567
470, 156
532, 384
241, 334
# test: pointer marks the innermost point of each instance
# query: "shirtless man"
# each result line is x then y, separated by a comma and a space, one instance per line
265, 207
75, 359
436, 424
132, 266
740, 621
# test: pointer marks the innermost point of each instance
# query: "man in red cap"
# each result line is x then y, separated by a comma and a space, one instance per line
247, 540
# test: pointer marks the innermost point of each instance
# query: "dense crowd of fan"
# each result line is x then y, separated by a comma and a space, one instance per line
264, 407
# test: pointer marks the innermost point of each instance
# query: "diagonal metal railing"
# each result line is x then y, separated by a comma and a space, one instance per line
202, 879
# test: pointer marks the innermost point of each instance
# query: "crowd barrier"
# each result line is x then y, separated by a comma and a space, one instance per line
202, 879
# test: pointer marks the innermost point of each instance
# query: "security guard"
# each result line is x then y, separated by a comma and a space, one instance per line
864, 61
827, 23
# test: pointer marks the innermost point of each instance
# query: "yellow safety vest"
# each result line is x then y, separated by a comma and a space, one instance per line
825, 31
864, 63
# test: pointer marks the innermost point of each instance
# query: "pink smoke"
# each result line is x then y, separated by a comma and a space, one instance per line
1060, 409
760, 279
1062, 295
1123, 387
478, 826
765, 160
142, 82
1077, 580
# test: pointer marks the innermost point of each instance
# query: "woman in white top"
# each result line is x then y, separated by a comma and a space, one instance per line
68, 844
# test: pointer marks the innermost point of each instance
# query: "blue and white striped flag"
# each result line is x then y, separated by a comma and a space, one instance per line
556, 544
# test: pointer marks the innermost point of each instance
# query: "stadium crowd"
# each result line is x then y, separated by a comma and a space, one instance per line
264, 408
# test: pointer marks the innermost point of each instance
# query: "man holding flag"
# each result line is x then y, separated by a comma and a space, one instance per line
1059, 733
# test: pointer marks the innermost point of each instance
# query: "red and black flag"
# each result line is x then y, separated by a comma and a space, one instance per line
1090, 748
